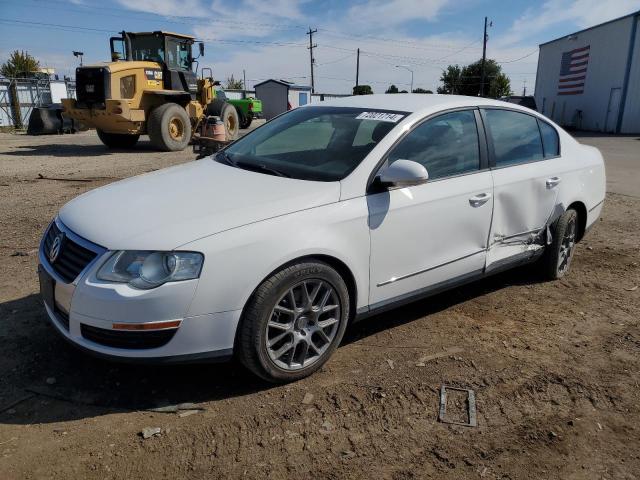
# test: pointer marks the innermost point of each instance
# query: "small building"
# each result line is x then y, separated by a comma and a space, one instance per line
590, 80
279, 95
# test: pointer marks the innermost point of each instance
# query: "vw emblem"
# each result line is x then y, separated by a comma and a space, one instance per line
54, 251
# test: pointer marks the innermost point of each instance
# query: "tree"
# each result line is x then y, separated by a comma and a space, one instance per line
421, 90
20, 64
467, 81
500, 86
362, 90
392, 89
450, 79
234, 84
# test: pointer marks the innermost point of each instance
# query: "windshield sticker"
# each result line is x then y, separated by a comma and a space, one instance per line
380, 116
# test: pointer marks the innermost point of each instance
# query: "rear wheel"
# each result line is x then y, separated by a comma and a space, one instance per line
294, 322
118, 140
169, 127
245, 120
557, 258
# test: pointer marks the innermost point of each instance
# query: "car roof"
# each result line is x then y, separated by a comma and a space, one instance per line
413, 102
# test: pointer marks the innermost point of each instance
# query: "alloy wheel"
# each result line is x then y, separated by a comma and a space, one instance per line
303, 324
567, 247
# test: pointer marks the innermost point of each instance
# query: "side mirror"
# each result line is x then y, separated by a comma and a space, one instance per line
201, 48
403, 173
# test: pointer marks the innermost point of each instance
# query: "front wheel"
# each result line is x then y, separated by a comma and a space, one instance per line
169, 127
117, 140
558, 255
294, 322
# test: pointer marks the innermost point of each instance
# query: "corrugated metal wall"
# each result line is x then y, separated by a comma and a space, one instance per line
631, 117
609, 47
31, 93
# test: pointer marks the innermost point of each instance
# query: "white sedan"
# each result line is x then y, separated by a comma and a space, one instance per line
328, 213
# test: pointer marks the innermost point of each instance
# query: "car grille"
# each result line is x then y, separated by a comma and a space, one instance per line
71, 260
92, 86
127, 339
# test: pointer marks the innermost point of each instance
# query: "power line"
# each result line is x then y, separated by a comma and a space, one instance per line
518, 59
335, 61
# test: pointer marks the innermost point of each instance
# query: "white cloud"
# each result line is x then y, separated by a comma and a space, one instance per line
583, 13
169, 8
395, 12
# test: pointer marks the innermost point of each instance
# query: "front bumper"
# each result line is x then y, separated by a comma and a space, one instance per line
87, 305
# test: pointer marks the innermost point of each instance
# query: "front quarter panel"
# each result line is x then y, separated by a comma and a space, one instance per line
238, 260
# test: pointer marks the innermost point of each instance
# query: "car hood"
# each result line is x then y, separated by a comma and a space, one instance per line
165, 209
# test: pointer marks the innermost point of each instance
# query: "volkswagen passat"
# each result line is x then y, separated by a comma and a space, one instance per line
329, 212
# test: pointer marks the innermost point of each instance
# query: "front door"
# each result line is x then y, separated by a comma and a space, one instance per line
428, 235
525, 181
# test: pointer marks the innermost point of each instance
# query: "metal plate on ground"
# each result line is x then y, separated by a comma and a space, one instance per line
471, 406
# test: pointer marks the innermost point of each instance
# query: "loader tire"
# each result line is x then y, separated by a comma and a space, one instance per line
169, 128
117, 140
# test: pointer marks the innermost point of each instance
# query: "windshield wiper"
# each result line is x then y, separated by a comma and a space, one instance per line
260, 168
227, 159
251, 166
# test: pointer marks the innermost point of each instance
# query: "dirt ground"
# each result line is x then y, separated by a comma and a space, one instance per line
555, 368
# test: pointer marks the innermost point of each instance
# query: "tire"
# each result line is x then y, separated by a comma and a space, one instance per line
228, 114
118, 140
303, 338
245, 120
169, 127
557, 257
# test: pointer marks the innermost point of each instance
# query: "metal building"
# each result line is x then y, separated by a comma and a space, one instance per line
590, 80
279, 95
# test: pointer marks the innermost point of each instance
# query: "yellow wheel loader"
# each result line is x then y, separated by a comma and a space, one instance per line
149, 87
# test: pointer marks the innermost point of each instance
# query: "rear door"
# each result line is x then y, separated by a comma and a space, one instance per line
525, 179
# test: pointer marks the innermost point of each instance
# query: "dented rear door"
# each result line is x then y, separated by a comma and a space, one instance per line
525, 185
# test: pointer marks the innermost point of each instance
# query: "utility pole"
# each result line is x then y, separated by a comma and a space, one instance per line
357, 67
244, 83
311, 59
484, 57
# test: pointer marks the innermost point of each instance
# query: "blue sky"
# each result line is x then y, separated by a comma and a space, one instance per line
268, 40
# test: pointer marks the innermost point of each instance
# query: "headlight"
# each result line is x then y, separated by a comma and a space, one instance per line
146, 270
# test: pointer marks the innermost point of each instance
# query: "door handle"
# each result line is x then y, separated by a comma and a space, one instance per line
480, 199
553, 181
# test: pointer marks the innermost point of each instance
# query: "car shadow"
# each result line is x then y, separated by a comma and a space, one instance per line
76, 150
39, 364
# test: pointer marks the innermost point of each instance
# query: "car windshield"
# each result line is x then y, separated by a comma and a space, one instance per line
312, 143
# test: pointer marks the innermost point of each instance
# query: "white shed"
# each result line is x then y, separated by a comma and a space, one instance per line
590, 80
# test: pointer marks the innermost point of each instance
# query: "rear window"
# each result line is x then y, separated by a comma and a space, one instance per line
313, 143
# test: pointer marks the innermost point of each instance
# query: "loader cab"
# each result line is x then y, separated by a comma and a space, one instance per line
172, 51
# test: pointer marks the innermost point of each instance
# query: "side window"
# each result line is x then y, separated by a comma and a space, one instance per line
516, 137
446, 145
550, 141
178, 54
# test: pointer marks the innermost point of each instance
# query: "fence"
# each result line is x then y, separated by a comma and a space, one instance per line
31, 92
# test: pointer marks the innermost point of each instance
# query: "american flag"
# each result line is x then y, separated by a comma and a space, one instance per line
573, 71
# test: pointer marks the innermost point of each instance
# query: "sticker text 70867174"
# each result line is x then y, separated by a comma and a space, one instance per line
380, 116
